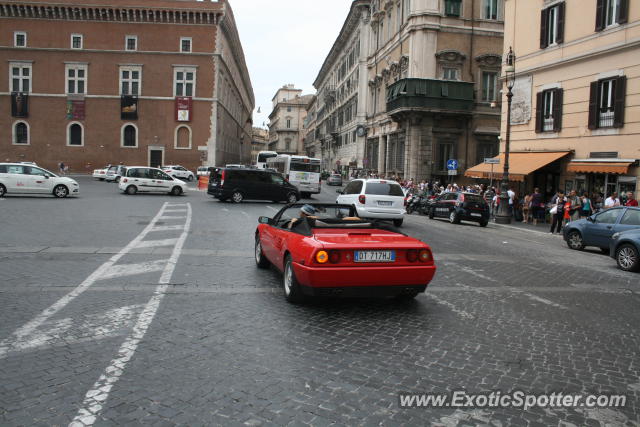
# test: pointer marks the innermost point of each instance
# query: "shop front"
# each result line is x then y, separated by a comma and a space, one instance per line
603, 176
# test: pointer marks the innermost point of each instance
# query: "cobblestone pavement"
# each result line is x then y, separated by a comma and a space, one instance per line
148, 309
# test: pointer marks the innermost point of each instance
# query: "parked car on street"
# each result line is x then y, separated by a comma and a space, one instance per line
101, 173
459, 207
625, 249
598, 229
238, 184
178, 171
335, 179
114, 173
16, 178
375, 198
143, 179
335, 253
204, 170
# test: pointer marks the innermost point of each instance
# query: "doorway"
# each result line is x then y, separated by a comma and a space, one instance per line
156, 157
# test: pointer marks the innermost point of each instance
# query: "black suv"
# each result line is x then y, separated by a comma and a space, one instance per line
239, 184
460, 206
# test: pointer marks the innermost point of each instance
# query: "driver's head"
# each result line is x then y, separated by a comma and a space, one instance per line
307, 210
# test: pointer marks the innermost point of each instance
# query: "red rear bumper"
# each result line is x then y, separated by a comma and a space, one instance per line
365, 276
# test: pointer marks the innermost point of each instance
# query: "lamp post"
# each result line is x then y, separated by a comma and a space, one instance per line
504, 212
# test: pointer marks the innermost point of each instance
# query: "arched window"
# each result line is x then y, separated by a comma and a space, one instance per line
182, 139
75, 135
129, 135
21, 133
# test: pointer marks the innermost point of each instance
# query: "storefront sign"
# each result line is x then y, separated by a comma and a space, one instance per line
75, 109
19, 104
128, 107
184, 107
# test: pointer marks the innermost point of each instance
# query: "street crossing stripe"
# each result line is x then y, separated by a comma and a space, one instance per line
123, 270
99, 393
156, 243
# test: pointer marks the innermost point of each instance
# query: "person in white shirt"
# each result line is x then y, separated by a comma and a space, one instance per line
612, 201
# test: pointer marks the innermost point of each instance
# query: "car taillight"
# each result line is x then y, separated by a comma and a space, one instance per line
362, 199
334, 257
412, 255
222, 178
425, 255
322, 257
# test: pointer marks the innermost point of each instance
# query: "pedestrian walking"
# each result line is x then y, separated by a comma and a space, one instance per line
526, 208
61, 167
557, 211
575, 206
586, 209
612, 201
537, 206
630, 200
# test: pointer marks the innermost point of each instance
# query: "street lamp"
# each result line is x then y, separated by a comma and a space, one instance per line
504, 212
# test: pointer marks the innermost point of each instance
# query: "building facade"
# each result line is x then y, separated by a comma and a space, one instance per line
286, 120
123, 81
259, 142
577, 94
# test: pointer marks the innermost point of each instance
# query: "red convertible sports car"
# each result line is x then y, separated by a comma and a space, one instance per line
325, 250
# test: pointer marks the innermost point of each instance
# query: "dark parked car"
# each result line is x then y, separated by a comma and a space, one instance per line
239, 184
625, 249
334, 179
460, 207
597, 229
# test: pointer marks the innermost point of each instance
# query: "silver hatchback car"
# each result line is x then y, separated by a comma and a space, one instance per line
334, 179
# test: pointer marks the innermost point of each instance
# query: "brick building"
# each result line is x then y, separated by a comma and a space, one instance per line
132, 81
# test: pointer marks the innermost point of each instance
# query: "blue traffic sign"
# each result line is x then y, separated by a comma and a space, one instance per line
452, 164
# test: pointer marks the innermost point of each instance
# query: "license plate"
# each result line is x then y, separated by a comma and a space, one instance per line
375, 256
384, 203
476, 214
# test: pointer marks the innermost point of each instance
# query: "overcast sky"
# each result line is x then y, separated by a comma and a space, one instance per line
286, 41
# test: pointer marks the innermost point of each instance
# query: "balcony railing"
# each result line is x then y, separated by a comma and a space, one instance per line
547, 125
430, 95
606, 118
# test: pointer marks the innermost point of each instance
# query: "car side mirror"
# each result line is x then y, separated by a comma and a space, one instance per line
339, 191
591, 218
264, 220
46, 177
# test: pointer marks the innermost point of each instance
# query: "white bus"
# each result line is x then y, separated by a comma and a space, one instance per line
301, 171
261, 161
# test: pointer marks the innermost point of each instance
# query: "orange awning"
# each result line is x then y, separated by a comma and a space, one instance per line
599, 167
521, 164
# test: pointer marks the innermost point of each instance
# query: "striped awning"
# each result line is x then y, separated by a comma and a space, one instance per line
521, 164
599, 167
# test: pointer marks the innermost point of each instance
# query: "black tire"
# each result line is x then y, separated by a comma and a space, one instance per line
407, 297
237, 197
176, 191
574, 240
261, 260
290, 285
60, 191
398, 222
409, 210
101, 179
627, 257
431, 214
131, 190
3, 190
453, 217
483, 223
292, 198
190, 178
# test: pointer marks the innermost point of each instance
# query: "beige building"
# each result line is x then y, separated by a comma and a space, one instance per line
286, 120
576, 105
259, 142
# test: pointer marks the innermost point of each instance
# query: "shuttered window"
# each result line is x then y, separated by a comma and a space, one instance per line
607, 102
549, 110
611, 12
552, 25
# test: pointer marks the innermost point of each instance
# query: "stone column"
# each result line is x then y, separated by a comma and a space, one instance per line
382, 155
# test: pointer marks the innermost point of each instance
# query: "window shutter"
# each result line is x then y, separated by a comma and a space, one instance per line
543, 27
618, 105
560, 29
557, 110
600, 14
623, 12
593, 105
539, 108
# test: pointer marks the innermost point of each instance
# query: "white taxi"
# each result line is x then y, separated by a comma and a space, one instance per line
16, 178
178, 172
101, 173
375, 198
143, 179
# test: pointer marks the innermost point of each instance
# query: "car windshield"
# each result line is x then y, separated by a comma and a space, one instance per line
384, 189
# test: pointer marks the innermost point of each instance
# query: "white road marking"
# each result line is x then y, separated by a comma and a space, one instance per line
122, 270
245, 214
167, 228
273, 209
99, 393
156, 243
453, 308
172, 217
225, 209
475, 273
28, 328
540, 299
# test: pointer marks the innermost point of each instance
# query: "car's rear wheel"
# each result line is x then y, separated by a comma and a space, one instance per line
453, 217
627, 257
574, 240
131, 190
290, 285
398, 222
3, 190
483, 223
292, 198
190, 178
237, 197
60, 191
261, 260
176, 191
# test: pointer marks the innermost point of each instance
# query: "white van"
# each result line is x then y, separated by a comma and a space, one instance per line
28, 179
144, 179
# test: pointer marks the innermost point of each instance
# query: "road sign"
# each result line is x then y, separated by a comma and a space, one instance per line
491, 161
452, 164
453, 172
